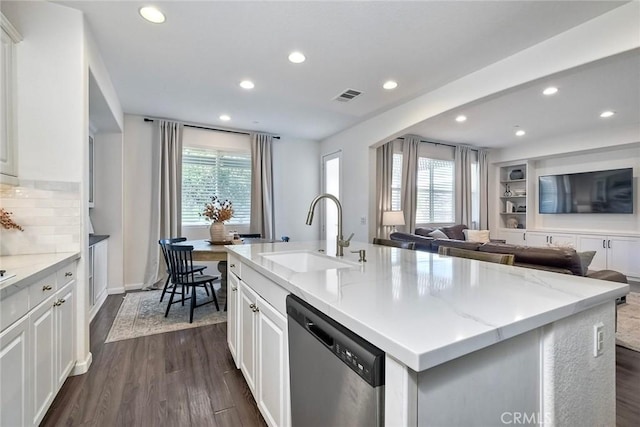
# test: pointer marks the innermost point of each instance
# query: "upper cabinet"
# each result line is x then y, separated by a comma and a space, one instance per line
8, 125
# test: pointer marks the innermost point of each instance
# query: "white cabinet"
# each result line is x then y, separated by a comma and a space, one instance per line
37, 352
613, 253
247, 338
514, 237
550, 239
8, 119
98, 276
43, 333
261, 340
273, 368
14, 374
232, 312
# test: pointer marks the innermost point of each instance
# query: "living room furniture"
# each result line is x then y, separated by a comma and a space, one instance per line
506, 259
163, 245
183, 275
394, 243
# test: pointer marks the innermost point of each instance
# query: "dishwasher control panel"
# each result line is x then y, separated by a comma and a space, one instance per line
352, 359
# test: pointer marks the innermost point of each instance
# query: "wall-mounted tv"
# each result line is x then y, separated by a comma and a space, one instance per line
608, 191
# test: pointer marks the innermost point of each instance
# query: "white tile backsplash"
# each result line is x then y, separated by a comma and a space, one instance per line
50, 214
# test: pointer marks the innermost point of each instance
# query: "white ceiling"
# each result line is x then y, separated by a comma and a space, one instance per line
189, 67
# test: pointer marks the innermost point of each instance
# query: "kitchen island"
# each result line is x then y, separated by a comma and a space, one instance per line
466, 342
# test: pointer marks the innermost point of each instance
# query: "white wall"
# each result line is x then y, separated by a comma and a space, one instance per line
296, 170
296, 181
53, 123
609, 34
136, 176
107, 215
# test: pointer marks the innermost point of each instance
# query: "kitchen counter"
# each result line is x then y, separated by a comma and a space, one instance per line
30, 268
424, 309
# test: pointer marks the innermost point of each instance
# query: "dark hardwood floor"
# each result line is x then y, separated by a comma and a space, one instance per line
188, 378
182, 378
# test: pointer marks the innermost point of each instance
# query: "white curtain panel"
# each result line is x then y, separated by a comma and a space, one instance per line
384, 175
262, 220
166, 196
464, 205
483, 168
409, 196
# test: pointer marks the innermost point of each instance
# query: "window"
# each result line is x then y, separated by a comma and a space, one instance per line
396, 182
435, 191
207, 172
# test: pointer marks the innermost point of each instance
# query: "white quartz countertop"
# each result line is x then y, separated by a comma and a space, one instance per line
424, 309
30, 268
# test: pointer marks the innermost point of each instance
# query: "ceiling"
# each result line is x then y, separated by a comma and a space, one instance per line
189, 68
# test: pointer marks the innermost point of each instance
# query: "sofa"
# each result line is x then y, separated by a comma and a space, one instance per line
556, 259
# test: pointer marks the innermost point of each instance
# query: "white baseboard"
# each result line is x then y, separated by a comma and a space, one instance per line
82, 366
125, 288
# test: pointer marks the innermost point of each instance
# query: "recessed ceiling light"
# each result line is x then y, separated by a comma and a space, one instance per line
551, 90
461, 118
225, 117
152, 14
390, 85
297, 57
606, 114
247, 84
520, 132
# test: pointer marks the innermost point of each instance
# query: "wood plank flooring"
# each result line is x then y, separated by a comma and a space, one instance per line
182, 378
187, 378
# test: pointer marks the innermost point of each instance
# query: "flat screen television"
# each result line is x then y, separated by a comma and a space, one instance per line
608, 191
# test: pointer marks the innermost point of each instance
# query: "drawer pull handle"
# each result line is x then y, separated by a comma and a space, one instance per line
232, 266
57, 303
68, 274
233, 288
46, 288
255, 309
252, 306
62, 300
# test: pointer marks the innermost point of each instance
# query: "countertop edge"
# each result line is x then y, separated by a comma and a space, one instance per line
422, 361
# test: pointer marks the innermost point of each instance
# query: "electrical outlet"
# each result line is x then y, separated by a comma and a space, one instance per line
363, 220
598, 339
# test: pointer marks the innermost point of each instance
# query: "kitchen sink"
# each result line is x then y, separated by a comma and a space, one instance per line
304, 261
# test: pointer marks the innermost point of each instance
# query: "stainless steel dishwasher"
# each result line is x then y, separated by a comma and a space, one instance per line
337, 378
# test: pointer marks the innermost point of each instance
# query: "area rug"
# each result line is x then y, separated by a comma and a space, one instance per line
142, 313
628, 333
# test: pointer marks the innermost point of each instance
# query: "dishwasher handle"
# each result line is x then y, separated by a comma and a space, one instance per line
319, 333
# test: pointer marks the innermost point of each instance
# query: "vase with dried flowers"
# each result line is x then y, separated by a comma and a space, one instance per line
217, 211
7, 222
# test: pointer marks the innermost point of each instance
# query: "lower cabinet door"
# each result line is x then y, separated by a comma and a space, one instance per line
273, 366
65, 332
597, 244
624, 255
247, 338
42, 329
14, 374
232, 319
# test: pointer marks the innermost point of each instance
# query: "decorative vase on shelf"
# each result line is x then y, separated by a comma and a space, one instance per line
516, 174
216, 231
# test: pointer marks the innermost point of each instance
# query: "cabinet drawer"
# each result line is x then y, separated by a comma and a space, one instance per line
234, 265
270, 291
42, 290
66, 274
14, 307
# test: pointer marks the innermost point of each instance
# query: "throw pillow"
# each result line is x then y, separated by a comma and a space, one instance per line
438, 234
455, 231
585, 260
480, 236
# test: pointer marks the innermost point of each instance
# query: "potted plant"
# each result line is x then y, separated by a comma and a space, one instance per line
217, 211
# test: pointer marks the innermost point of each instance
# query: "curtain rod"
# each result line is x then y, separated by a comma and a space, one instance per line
440, 143
146, 119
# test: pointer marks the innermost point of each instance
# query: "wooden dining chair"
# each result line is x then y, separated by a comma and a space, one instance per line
394, 243
183, 275
506, 259
163, 244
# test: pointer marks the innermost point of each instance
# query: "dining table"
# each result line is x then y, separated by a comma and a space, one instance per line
204, 250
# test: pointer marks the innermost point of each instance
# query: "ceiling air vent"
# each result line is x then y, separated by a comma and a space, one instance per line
347, 95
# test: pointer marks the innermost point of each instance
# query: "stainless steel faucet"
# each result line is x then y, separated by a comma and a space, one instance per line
340, 242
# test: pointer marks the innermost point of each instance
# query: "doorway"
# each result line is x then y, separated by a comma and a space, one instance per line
331, 184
